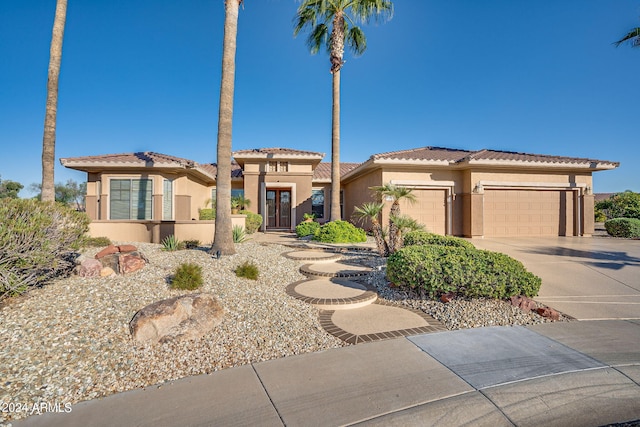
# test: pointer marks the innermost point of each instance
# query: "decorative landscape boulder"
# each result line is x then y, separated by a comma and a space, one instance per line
524, 303
180, 318
123, 259
89, 268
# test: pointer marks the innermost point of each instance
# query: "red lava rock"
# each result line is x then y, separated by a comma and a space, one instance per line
109, 250
447, 297
127, 248
549, 313
524, 303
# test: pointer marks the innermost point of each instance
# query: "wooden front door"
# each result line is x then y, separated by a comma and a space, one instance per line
278, 208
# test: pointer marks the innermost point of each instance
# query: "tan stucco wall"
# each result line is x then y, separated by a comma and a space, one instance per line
156, 231
357, 192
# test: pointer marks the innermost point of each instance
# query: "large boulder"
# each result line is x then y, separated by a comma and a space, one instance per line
180, 318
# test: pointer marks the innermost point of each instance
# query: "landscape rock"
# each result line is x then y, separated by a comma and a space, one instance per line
111, 249
447, 297
107, 272
129, 263
524, 303
548, 312
179, 318
127, 248
89, 268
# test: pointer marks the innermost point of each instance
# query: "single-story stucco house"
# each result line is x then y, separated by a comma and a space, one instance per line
146, 196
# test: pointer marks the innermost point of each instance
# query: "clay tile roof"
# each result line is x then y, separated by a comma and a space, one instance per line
145, 158
494, 155
212, 169
322, 172
275, 151
424, 153
460, 156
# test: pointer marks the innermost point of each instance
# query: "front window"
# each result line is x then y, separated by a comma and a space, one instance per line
317, 203
167, 200
130, 199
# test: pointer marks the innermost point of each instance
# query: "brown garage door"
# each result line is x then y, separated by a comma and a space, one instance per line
528, 213
429, 209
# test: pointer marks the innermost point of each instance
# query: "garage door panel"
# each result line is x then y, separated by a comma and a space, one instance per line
429, 209
526, 212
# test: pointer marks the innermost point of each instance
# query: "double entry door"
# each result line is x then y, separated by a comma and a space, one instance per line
278, 208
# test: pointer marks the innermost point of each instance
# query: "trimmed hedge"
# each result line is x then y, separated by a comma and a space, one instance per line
340, 232
623, 227
307, 228
418, 238
38, 242
469, 272
252, 222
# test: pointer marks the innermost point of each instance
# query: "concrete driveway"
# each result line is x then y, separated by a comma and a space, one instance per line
589, 278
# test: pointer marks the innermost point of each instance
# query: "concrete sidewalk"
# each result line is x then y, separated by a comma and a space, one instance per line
565, 374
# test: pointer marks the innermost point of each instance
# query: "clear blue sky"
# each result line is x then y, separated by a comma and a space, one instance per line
534, 76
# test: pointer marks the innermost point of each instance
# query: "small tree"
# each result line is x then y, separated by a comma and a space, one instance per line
397, 193
9, 189
370, 212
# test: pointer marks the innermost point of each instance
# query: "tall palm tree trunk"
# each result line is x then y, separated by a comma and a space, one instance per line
223, 234
49, 137
335, 150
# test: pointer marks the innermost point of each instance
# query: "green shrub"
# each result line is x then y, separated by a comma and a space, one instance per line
623, 227
247, 270
188, 277
340, 232
252, 222
416, 238
95, 242
191, 244
239, 234
599, 215
38, 242
170, 243
469, 272
621, 205
206, 214
307, 228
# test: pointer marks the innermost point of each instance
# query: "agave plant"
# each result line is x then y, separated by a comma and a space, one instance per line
170, 243
239, 235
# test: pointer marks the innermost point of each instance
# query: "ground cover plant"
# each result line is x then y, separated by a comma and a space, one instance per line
248, 270
38, 242
436, 270
188, 277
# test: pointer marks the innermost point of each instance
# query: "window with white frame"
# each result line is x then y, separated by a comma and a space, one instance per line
130, 199
167, 200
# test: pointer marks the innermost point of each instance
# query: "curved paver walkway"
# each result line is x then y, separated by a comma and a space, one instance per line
350, 309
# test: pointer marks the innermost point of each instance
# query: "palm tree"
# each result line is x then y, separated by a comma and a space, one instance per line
397, 193
223, 234
371, 211
332, 24
632, 37
404, 224
49, 137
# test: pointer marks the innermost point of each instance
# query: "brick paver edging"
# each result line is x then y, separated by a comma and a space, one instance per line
369, 294
348, 337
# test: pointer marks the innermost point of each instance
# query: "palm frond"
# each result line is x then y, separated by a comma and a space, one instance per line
632, 37
317, 38
356, 40
366, 10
